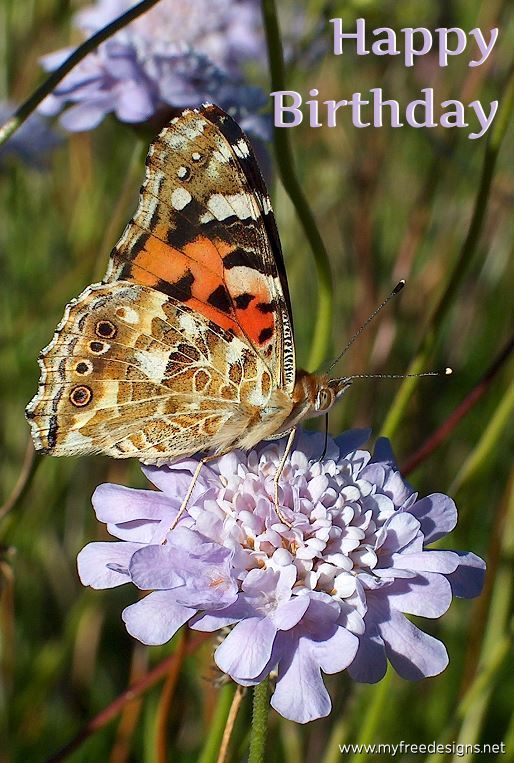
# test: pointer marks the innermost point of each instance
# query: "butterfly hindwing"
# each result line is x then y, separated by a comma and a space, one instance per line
132, 372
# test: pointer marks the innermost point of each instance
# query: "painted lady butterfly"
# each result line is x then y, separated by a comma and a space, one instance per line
187, 344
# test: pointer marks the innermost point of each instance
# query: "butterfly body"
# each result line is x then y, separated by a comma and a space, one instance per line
187, 343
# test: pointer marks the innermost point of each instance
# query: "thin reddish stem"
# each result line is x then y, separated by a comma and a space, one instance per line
167, 694
440, 434
111, 711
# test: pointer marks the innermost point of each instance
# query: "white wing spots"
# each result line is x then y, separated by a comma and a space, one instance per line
183, 172
180, 198
77, 441
195, 129
221, 154
153, 364
128, 315
219, 206
265, 204
153, 182
196, 157
234, 353
206, 218
241, 149
187, 324
238, 204
254, 397
179, 141
147, 210
150, 200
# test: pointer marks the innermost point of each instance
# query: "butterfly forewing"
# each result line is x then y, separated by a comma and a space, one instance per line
204, 233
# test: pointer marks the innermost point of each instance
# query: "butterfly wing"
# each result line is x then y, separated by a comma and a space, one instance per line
188, 339
132, 372
205, 234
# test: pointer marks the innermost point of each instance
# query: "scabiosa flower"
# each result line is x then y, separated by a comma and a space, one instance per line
328, 593
177, 54
31, 143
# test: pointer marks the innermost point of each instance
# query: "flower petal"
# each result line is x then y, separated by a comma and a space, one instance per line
428, 561
370, 663
153, 567
300, 694
437, 514
428, 594
412, 653
351, 440
402, 528
143, 516
105, 565
289, 613
468, 579
175, 479
156, 618
247, 648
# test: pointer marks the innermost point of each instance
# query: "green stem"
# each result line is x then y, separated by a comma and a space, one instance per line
211, 747
461, 264
286, 166
381, 698
27, 107
259, 722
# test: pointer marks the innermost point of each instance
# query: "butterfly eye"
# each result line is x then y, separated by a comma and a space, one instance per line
324, 399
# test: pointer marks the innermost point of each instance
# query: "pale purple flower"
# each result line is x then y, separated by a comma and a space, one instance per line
325, 594
31, 143
177, 54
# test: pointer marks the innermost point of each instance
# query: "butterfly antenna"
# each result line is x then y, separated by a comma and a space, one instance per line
444, 372
397, 289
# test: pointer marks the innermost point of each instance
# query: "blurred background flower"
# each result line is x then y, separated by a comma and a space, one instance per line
32, 143
177, 54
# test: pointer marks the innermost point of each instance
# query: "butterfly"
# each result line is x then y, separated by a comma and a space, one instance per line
187, 344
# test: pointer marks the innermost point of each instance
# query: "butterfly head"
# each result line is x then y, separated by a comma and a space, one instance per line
315, 394
328, 392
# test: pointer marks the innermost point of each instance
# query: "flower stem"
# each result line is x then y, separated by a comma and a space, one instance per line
461, 264
286, 166
259, 722
29, 106
167, 695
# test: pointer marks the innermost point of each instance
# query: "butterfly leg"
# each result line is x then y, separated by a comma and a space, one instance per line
196, 474
276, 478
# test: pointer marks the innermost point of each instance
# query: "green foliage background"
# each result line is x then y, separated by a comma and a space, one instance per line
388, 204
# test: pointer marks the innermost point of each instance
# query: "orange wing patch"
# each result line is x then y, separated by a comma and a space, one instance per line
235, 298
